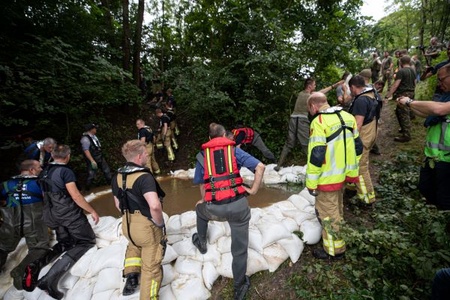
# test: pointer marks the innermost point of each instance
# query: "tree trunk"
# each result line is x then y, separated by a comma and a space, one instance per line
138, 43
126, 48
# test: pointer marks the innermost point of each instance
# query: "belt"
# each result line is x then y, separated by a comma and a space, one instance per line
234, 199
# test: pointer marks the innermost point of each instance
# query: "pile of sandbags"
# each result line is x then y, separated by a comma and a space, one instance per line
187, 273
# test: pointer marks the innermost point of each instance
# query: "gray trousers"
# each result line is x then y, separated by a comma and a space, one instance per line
238, 216
259, 144
298, 132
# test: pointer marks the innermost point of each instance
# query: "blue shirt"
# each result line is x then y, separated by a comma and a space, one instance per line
32, 192
243, 160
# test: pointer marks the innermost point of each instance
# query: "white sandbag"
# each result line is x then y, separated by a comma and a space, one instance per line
272, 178
294, 247
36, 294
285, 170
81, 267
304, 216
212, 255
104, 192
185, 265
173, 238
13, 294
166, 293
169, 274
105, 224
173, 226
188, 219
180, 174
255, 239
170, 255
185, 248
103, 295
312, 232
299, 170
305, 194
255, 262
108, 279
101, 243
209, 274
224, 268
275, 255
224, 244
299, 202
215, 231
271, 212
246, 172
68, 281
272, 231
290, 177
112, 232
227, 227
256, 215
90, 197
310, 209
109, 257
290, 224
285, 205
82, 289
189, 288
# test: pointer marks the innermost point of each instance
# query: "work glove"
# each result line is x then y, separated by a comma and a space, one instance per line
94, 165
313, 193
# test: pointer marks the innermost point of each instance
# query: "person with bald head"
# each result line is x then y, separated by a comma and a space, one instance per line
333, 153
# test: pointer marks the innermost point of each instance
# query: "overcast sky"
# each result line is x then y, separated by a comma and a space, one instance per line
374, 9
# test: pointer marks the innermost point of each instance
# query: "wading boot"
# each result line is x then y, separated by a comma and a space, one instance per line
131, 284
201, 245
31, 275
49, 283
241, 291
321, 254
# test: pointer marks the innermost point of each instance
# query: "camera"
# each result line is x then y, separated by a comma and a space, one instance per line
420, 47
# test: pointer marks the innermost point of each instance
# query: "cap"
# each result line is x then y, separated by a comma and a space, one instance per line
89, 126
366, 73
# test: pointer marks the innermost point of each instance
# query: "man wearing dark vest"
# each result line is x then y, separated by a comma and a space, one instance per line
92, 150
22, 217
139, 197
224, 198
64, 208
146, 135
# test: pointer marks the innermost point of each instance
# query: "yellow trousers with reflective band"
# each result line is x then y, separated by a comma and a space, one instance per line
364, 188
167, 144
151, 162
147, 237
330, 212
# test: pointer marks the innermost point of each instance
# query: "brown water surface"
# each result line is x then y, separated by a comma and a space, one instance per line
182, 194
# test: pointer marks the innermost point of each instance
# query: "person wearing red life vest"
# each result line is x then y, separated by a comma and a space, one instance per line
248, 136
224, 198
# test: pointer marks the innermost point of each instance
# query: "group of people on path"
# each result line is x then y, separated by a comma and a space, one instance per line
337, 141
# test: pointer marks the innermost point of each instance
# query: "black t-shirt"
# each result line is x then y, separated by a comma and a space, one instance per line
164, 120
143, 184
147, 133
60, 175
365, 105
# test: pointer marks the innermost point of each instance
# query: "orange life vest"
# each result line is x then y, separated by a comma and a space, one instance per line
249, 134
221, 177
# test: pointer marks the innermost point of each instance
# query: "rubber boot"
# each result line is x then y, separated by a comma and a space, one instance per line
283, 156
131, 284
31, 274
49, 282
241, 291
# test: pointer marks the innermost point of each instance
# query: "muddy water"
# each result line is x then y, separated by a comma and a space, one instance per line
181, 196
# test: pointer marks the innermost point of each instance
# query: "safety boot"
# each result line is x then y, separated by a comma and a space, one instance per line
131, 284
199, 243
283, 156
321, 254
31, 274
49, 283
241, 291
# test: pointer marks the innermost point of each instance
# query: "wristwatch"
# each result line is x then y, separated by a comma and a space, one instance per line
408, 102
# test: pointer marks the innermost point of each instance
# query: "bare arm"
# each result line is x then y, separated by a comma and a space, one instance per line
394, 87
327, 89
202, 192
359, 121
116, 202
80, 201
259, 172
155, 208
427, 108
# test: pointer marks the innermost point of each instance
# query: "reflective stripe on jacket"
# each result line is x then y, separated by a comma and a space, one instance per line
333, 151
221, 176
438, 141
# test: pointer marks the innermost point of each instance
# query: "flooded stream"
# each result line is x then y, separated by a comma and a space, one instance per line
181, 196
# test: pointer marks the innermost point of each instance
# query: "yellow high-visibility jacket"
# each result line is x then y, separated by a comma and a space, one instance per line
438, 140
334, 150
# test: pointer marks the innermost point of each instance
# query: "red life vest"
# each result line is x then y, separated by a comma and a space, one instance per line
249, 134
222, 178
